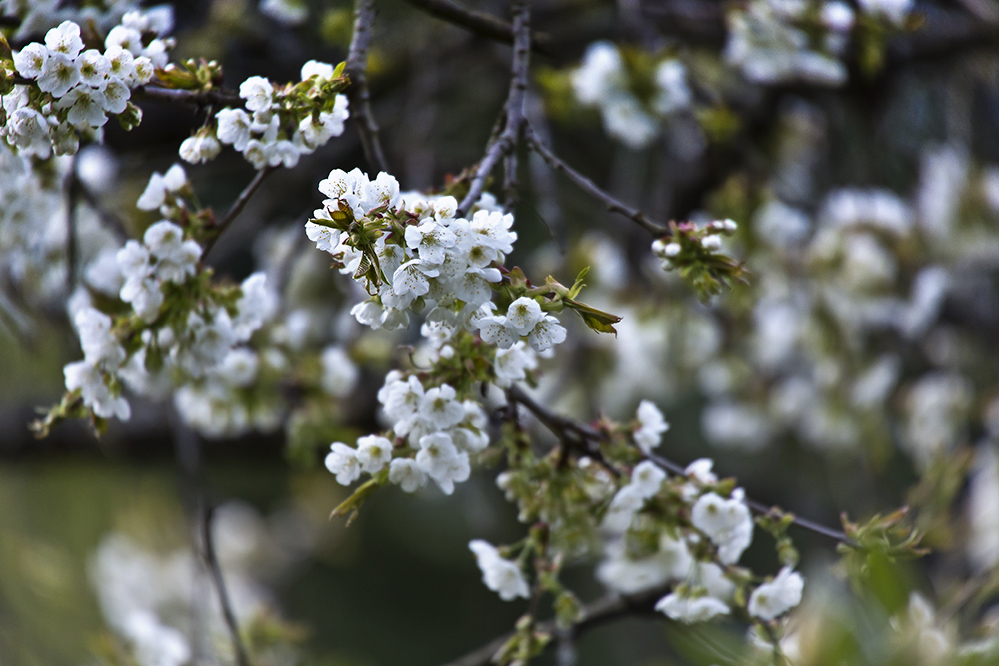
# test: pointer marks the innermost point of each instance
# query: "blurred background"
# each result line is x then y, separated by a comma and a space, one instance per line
855, 372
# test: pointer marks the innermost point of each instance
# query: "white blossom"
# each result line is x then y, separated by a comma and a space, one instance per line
775, 598
407, 474
547, 333
651, 426
373, 453
258, 93
342, 461
499, 574
727, 522
647, 478
689, 609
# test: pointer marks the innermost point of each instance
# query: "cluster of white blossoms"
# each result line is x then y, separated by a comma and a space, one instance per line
162, 257
701, 589
498, 573
433, 431
200, 351
773, 41
708, 239
413, 253
94, 376
439, 263
74, 89
603, 82
38, 16
275, 128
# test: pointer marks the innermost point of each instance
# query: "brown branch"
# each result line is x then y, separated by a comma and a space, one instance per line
506, 145
237, 208
187, 446
605, 609
482, 24
358, 94
561, 426
582, 182
198, 99
215, 570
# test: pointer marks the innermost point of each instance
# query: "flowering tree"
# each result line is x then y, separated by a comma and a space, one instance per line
749, 272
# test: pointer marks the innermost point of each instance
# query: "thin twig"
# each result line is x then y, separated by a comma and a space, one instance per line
506, 145
605, 609
561, 425
482, 24
613, 205
212, 562
357, 93
237, 208
195, 98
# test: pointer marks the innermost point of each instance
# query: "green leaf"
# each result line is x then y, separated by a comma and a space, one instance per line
598, 320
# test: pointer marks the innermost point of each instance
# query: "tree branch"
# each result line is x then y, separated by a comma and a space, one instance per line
561, 426
357, 93
582, 182
482, 24
198, 99
215, 570
506, 145
601, 611
237, 207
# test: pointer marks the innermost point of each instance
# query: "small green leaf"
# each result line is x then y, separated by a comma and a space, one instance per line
598, 320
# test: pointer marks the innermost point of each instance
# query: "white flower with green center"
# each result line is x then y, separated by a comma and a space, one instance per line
436, 454
258, 93
124, 38
727, 522
410, 279
121, 64
431, 240
778, 596
86, 107
406, 474
342, 461
494, 330
60, 74
499, 574
65, 39
445, 208
233, 127
116, 95
324, 237
30, 61
523, 314
547, 333
373, 453
440, 409
94, 68
647, 478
